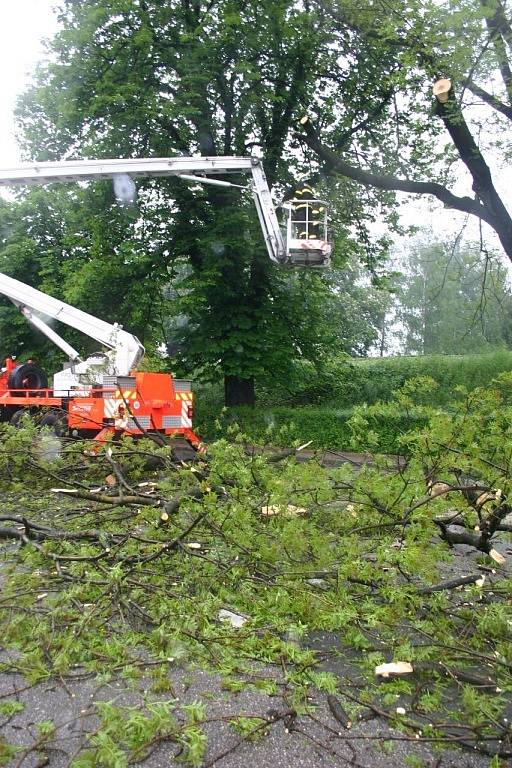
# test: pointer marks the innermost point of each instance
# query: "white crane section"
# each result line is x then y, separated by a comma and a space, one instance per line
86, 170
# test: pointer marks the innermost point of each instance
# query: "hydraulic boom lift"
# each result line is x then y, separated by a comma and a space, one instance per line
104, 393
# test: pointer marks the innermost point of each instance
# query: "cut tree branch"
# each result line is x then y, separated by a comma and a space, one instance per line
450, 584
488, 98
497, 215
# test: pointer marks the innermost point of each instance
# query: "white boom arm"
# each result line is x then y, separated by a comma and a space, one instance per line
84, 170
32, 303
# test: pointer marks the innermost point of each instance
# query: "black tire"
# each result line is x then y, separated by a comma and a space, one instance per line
27, 376
56, 421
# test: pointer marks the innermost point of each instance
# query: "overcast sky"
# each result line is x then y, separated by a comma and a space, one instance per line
23, 24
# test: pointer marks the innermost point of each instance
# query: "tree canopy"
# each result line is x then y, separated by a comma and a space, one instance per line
141, 79
470, 46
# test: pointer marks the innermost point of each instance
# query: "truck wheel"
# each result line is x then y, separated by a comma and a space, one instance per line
27, 376
56, 422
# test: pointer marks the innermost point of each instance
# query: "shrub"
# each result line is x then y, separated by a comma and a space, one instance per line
374, 379
326, 428
320, 408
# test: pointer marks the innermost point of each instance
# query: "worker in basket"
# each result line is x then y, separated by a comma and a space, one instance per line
308, 213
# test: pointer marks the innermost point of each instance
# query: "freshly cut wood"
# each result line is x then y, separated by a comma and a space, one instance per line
483, 498
394, 669
286, 510
72, 491
497, 557
438, 489
442, 89
235, 619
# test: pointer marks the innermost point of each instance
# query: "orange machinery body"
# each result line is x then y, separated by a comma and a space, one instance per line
144, 401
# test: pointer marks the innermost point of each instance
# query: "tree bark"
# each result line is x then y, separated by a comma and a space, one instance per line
497, 215
239, 391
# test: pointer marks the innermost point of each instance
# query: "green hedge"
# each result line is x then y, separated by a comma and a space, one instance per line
319, 409
284, 426
371, 380
343, 383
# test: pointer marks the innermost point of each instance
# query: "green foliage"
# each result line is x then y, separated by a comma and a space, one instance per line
412, 761
249, 728
325, 427
349, 552
193, 740
7, 751
374, 379
126, 734
9, 708
453, 300
46, 730
146, 79
321, 406
35, 452
342, 382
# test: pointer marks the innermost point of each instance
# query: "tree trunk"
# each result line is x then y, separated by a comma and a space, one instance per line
497, 216
239, 391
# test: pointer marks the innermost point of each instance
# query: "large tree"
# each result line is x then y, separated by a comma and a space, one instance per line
129, 78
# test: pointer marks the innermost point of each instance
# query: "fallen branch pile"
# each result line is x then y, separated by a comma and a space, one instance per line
188, 563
